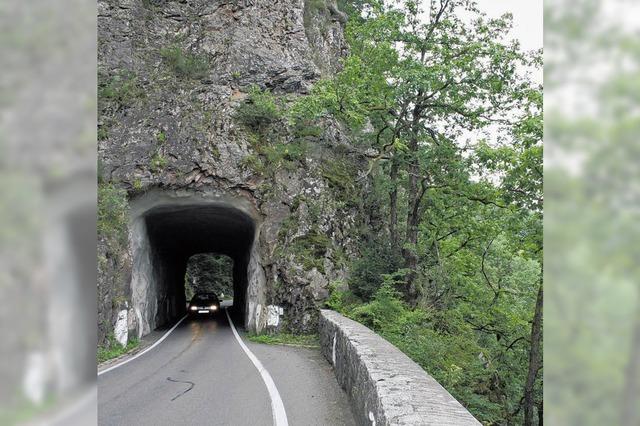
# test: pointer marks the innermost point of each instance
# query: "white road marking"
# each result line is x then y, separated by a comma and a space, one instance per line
143, 352
277, 407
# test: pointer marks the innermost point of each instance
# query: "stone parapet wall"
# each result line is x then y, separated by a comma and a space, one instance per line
385, 387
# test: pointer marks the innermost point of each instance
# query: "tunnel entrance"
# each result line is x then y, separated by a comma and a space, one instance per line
167, 233
209, 273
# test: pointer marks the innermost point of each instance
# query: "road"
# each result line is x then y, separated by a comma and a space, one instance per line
200, 375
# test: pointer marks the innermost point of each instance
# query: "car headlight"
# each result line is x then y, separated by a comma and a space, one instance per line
194, 308
213, 307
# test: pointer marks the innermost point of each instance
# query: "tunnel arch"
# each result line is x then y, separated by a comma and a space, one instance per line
167, 229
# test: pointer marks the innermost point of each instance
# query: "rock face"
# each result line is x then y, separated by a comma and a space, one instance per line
172, 75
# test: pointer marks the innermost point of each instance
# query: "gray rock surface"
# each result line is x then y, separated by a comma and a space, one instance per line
168, 127
384, 385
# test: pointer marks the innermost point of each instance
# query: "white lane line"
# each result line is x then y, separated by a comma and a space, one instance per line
277, 407
143, 352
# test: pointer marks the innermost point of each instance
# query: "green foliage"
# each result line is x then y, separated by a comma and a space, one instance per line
112, 349
340, 299
339, 174
259, 111
284, 154
376, 260
24, 411
161, 137
383, 310
306, 340
209, 273
137, 184
113, 212
306, 130
185, 65
310, 249
258, 114
158, 162
453, 272
103, 133
122, 89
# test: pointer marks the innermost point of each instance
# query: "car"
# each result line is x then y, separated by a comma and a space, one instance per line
204, 304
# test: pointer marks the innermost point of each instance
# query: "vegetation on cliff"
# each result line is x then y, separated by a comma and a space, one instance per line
436, 96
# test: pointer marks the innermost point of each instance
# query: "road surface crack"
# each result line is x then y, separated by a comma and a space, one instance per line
191, 385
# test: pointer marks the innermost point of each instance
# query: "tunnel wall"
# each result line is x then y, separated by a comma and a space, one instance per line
385, 387
157, 284
143, 279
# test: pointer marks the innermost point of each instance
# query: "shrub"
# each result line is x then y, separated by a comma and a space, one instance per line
368, 271
158, 162
161, 137
103, 133
122, 88
112, 349
113, 212
259, 111
343, 301
311, 249
383, 311
185, 64
283, 154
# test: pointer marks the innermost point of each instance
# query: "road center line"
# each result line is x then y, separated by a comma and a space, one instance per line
113, 367
277, 407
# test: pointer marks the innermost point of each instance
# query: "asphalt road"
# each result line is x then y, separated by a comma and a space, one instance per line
200, 375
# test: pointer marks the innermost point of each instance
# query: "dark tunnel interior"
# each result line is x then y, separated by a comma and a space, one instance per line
180, 231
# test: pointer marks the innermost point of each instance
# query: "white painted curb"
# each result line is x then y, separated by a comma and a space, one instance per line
113, 367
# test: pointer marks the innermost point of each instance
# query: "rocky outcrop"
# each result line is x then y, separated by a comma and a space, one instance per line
385, 386
172, 77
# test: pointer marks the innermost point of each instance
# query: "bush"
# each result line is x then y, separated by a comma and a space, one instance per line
158, 162
185, 64
112, 349
311, 249
383, 311
367, 272
103, 133
113, 212
122, 88
259, 111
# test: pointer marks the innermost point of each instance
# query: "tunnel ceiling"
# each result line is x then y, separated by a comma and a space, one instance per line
182, 231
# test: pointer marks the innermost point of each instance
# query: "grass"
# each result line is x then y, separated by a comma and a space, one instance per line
123, 88
259, 111
311, 249
161, 137
23, 410
103, 133
306, 340
185, 64
113, 211
158, 163
113, 349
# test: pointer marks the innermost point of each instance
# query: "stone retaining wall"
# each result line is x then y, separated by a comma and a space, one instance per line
385, 387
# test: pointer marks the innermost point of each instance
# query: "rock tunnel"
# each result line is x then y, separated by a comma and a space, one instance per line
167, 232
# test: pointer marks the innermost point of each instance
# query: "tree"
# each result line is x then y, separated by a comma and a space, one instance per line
464, 211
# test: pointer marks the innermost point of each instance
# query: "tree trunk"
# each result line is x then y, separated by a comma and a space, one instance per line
393, 204
540, 416
411, 236
534, 361
630, 394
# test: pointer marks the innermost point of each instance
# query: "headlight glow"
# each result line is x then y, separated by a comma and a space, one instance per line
194, 308
213, 307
